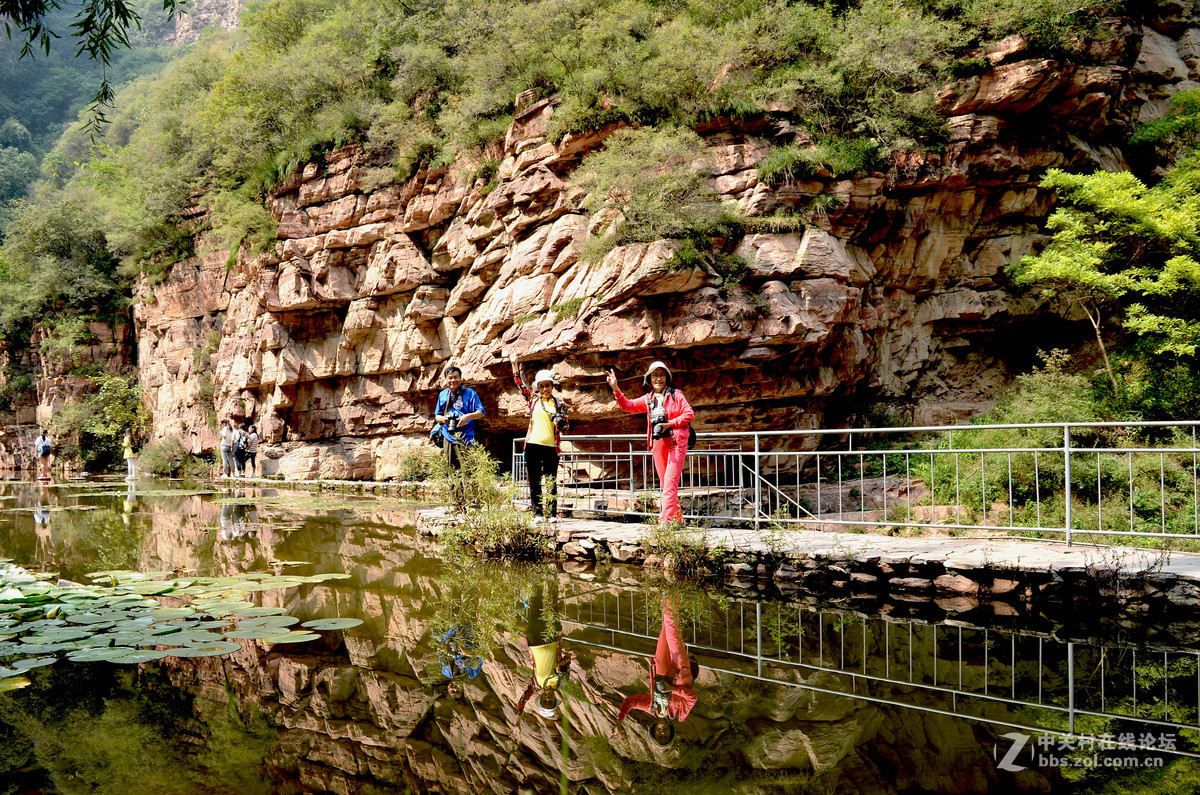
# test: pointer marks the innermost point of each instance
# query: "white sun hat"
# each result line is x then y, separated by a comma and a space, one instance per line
543, 375
656, 366
547, 713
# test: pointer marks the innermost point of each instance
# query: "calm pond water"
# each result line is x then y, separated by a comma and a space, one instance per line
786, 695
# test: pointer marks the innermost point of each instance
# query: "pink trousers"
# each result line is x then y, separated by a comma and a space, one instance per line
668, 463
671, 657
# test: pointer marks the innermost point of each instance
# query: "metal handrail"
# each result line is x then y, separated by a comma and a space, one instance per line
944, 484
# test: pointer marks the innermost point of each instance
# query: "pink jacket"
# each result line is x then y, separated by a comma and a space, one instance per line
679, 413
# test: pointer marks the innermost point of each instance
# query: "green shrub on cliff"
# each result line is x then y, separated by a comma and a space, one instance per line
653, 182
56, 264
91, 431
1130, 251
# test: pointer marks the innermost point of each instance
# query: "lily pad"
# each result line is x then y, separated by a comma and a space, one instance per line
332, 623
258, 612
332, 575
207, 650
269, 621
172, 612
293, 637
253, 633
32, 662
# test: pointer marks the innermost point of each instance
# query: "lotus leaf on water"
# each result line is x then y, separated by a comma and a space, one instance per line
208, 650
258, 612
253, 633
171, 612
121, 622
270, 621
332, 623
293, 637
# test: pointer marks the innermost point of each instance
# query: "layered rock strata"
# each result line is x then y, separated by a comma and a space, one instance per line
895, 291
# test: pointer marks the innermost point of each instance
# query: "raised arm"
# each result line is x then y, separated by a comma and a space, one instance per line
637, 406
520, 382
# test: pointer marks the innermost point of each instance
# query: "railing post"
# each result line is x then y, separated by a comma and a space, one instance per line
1071, 686
1067, 478
758, 624
757, 487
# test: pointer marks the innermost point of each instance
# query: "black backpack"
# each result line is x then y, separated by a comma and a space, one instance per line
242, 444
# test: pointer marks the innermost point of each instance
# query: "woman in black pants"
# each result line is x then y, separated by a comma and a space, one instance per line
547, 419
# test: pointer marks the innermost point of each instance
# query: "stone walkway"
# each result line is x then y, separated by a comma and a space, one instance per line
999, 554
1070, 583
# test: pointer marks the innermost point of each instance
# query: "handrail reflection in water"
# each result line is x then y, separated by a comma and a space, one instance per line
1084, 668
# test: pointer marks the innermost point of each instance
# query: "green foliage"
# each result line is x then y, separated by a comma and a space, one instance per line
17, 170
483, 504
701, 254
838, 156
57, 263
652, 182
417, 463
168, 458
1180, 127
526, 317
63, 342
92, 430
18, 388
1120, 246
567, 310
685, 550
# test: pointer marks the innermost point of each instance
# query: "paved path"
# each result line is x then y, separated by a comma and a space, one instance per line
962, 554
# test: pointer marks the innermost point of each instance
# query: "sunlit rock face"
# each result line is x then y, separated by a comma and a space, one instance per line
196, 15
334, 340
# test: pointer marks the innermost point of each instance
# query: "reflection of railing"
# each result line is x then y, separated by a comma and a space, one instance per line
1003, 677
1069, 478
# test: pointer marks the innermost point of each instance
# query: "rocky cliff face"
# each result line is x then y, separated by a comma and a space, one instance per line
334, 341
200, 14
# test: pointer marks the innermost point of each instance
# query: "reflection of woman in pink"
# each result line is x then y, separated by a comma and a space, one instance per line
672, 673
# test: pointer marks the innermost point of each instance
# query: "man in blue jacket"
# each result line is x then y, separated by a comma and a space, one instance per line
457, 409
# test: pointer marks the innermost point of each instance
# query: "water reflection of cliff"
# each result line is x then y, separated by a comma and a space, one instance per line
425, 693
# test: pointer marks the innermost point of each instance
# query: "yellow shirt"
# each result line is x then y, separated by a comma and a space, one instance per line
545, 658
542, 429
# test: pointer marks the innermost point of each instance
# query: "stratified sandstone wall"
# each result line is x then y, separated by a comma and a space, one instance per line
334, 340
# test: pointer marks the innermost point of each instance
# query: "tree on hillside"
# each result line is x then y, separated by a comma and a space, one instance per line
98, 29
1123, 248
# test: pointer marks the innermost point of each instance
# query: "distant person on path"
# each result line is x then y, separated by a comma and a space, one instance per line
252, 450
551, 666
672, 673
241, 443
226, 448
130, 456
43, 450
457, 409
668, 417
547, 420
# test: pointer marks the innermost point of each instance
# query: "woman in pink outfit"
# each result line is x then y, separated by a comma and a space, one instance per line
672, 673
668, 418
